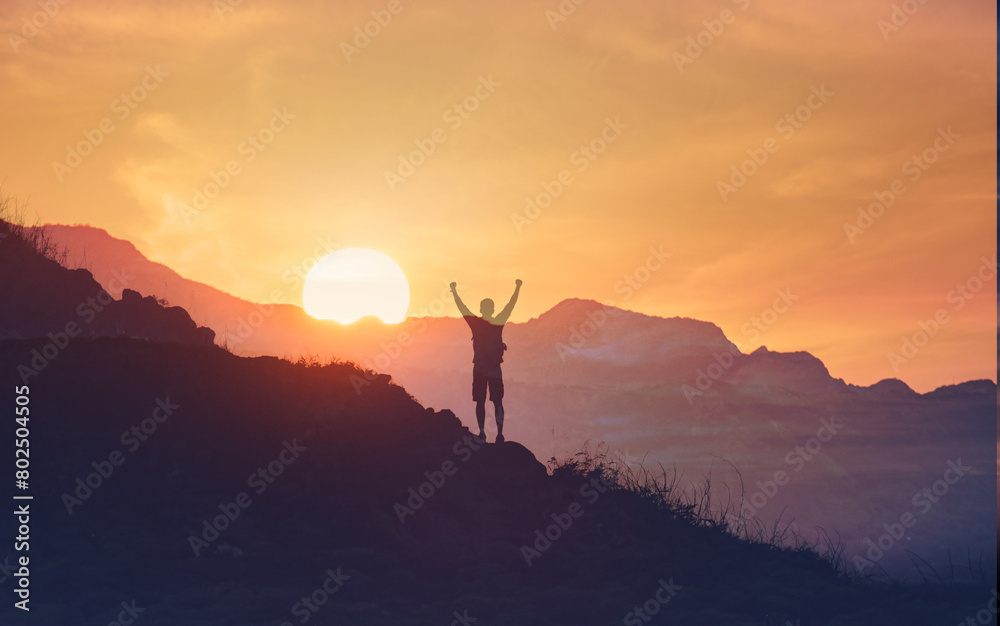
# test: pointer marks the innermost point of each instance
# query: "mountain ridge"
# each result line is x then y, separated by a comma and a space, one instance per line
238, 314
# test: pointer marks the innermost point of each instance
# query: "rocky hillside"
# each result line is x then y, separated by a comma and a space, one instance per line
40, 296
208, 489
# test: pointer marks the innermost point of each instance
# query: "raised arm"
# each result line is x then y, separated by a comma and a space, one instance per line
464, 310
502, 317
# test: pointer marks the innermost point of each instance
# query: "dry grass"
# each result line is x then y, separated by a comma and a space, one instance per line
13, 218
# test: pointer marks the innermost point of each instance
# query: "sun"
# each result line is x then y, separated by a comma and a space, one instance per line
354, 282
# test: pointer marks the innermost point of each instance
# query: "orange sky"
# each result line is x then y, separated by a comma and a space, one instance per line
209, 79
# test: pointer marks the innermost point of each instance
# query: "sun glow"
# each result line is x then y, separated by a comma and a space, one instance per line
354, 282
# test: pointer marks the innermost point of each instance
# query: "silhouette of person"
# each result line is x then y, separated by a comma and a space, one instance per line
488, 348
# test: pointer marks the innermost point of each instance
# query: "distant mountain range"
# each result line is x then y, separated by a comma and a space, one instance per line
673, 391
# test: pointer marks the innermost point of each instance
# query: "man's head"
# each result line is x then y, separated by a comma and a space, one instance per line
486, 307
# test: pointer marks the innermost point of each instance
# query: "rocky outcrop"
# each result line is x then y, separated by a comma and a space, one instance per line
39, 297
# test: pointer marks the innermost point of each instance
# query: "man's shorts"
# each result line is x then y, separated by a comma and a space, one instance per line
483, 379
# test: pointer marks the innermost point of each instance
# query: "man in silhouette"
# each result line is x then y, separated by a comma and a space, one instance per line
487, 348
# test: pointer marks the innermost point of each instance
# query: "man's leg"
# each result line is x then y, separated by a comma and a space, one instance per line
479, 385
481, 416
498, 411
496, 396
